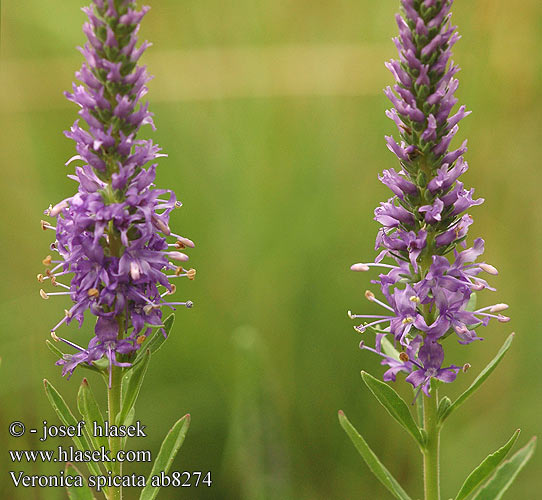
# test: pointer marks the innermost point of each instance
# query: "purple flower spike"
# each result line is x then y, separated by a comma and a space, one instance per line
113, 241
427, 278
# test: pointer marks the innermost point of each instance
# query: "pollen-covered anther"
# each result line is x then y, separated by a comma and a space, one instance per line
67, 313
43, 294
360, 329
466, 367
407, 320
191, 274
359, 267
55, 337
403, 356
45, 225
498, 308
415, 299
93, 293
369, 295
53, 281
349, 313
488, 268
179, 271
140, 339
503, 319
47, 261
39, 277
173, 290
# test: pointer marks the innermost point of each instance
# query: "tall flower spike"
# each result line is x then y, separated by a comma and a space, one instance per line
428, 288
112, 235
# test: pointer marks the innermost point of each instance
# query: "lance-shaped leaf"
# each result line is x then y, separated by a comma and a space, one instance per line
372, 461
157, 339
170, 446
68, 418
485, 469
486, 372
495, 488
395, 405
133, 386
90, 411
77, 492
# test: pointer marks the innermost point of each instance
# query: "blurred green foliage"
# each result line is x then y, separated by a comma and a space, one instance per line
273, 118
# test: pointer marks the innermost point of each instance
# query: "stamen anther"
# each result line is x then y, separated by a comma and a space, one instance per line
359, 267
488, 268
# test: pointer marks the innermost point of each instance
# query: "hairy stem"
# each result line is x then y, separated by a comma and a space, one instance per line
431, 465
115, 443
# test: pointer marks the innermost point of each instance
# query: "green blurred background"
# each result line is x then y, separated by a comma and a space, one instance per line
273, 118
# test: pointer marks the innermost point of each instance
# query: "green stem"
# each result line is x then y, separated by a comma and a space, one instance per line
431, 465
115, 443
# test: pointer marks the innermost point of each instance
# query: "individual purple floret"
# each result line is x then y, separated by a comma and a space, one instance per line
113, 238
429, 282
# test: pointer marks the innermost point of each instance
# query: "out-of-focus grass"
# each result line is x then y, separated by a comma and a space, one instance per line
273, 118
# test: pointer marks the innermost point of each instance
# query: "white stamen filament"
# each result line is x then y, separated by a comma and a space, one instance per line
370, 296
47, 295
493, 309
73, 158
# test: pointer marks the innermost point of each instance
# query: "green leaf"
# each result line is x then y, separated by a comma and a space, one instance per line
389, 349
486, 468
471, 305
157, 339
170, 446
443, 406
68, 418
395, 405
77, 493
56, 351
372, 461
495, 488
486, 372
128, 421
133, 387
90, 411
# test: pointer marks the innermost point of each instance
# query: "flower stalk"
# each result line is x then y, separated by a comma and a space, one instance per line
428, 276
113, 254
431, 453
